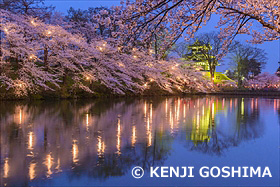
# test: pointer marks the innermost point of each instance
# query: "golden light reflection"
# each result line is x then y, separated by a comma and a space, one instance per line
48, 163
150, 139
19, 116
32, 173
75, 151
6, 168
213, 113
30, 140
151, 112
242, 106
133, 137
100, 146
178, 110
145, 109
119, 137
87, 122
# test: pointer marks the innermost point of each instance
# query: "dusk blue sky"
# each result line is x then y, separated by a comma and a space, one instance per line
271, 48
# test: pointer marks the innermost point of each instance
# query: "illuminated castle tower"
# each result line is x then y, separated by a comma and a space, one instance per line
200, 54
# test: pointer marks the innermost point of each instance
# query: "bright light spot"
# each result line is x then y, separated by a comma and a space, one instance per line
121, 64
100, 48
31, 57
6, 30
135, 56
151, 80
33, 22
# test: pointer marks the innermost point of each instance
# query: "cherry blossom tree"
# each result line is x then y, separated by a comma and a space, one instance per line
37, 56
264, 81
143, 18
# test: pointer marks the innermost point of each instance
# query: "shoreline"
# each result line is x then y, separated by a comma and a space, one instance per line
236, 93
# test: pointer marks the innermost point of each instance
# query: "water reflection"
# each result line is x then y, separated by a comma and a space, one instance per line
106, 138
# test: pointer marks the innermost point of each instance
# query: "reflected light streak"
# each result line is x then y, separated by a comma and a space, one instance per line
151, 112
134, 137
100, 146
6, 168
87, 121
30, 140
149, 139
178, 110
242, 106
145, 109
48, 163
149, 133
58, 165
32, 173
119, 137
20, 116
213, 112
75, 152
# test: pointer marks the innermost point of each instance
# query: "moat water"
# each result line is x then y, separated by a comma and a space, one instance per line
99, 142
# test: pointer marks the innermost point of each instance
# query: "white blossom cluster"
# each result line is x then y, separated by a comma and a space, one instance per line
264, 81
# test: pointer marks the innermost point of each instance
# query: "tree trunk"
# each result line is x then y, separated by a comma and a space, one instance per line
46, 64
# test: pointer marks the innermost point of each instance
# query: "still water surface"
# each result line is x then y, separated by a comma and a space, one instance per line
98, 142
